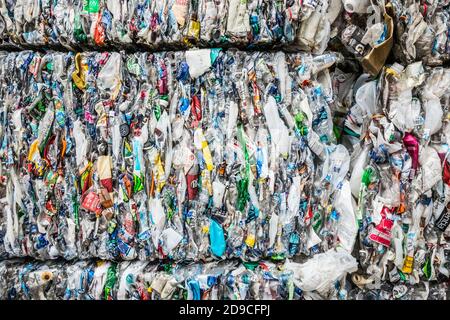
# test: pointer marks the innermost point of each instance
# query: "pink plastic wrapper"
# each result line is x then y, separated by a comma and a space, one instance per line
412, 146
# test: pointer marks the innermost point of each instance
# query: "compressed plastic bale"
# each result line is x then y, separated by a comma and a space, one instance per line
160, 24
120, 198
100, 280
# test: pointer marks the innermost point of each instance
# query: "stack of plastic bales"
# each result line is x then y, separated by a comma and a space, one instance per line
299, 151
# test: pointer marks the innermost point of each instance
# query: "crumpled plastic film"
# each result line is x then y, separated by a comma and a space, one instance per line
196, 155
164, 23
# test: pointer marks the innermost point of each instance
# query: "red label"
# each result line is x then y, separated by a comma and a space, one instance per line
92, 202
192, 185
382, 232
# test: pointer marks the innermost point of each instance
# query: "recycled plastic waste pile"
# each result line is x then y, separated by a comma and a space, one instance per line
318, 169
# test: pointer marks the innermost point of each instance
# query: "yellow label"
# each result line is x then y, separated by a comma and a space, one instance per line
33, 150
407, 265
208, 158
205, 229
79, 75
250, 241
392, 72
194, 29
160, 175
200, 142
